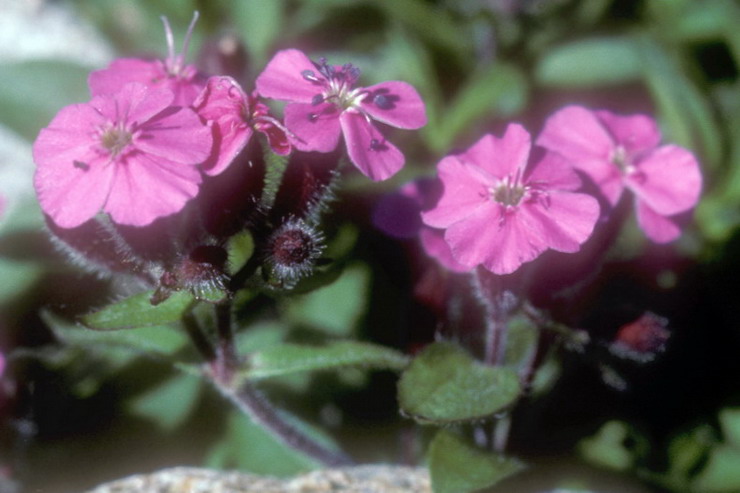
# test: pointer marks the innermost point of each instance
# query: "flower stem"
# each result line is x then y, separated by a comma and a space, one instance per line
252, 403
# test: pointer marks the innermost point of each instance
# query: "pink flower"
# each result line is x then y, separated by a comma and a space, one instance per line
324, 105
499, 212
620, 152
131, 154
235, 116
183, 80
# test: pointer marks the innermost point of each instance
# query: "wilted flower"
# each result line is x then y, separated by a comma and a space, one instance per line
235, 116
620, 152
324, 105
499, 212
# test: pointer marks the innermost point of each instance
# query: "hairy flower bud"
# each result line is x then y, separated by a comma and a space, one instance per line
292, 251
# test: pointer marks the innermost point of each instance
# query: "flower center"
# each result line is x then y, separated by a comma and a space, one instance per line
115, 139
510, 191
621, 159
336, 84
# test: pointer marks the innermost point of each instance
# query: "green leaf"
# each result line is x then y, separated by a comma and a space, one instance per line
170, 403
721, 473
686, 115
590, 62
275, 169
444, 384
608, 447
137, 311
248, 447
336, 308
455, 467
729, 420
17, 278
240, 249
31, 93
163, 340
499, 90
261, 23
292, 358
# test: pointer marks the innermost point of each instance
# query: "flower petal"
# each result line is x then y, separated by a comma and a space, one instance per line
176, 134
315, 127
224, 104
136, 103
435, 245
503, 156
377, 158
668, 180
463, 193
156, 186
636, 133
283, 78
578, 135
660, 229
121, 71
395, 103
565, 220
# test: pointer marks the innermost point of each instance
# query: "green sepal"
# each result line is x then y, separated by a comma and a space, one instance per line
138, 311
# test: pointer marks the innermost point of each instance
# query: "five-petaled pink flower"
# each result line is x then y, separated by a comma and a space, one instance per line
131, 154
183, 80
499, 212
619, 152
235, 116
324, 105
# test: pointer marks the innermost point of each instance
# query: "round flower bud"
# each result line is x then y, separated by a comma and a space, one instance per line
292, 251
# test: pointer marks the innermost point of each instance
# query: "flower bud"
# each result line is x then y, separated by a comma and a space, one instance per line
292, 251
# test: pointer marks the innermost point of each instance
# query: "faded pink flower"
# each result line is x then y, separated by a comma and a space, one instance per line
183, 80
499, 212
131, 154
399, 215
619, 152
235, 116
324, 105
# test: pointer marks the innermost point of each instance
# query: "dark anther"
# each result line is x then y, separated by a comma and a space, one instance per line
384, 100
312, 117
376, 145
317, 99
310, 76
81, 165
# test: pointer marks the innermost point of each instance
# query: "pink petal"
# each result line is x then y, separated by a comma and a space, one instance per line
124, 70
224, 103
434, 244
636, 133
503, 156
176, 134
464, 193
133, 104
578, 135
283, 78
156, 186
668, 180
565, 220
553, 172
660, 229
395, 103
72, 194
69, 135
501, 241
316, 127
377, 158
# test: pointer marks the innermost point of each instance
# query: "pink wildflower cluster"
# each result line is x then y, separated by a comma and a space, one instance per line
139, 149
500, 211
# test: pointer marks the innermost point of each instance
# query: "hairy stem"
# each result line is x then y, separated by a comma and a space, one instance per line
252, 403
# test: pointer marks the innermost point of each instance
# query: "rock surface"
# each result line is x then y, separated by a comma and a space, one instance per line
360, 479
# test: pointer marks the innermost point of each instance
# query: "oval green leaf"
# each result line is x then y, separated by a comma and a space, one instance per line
444, 384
